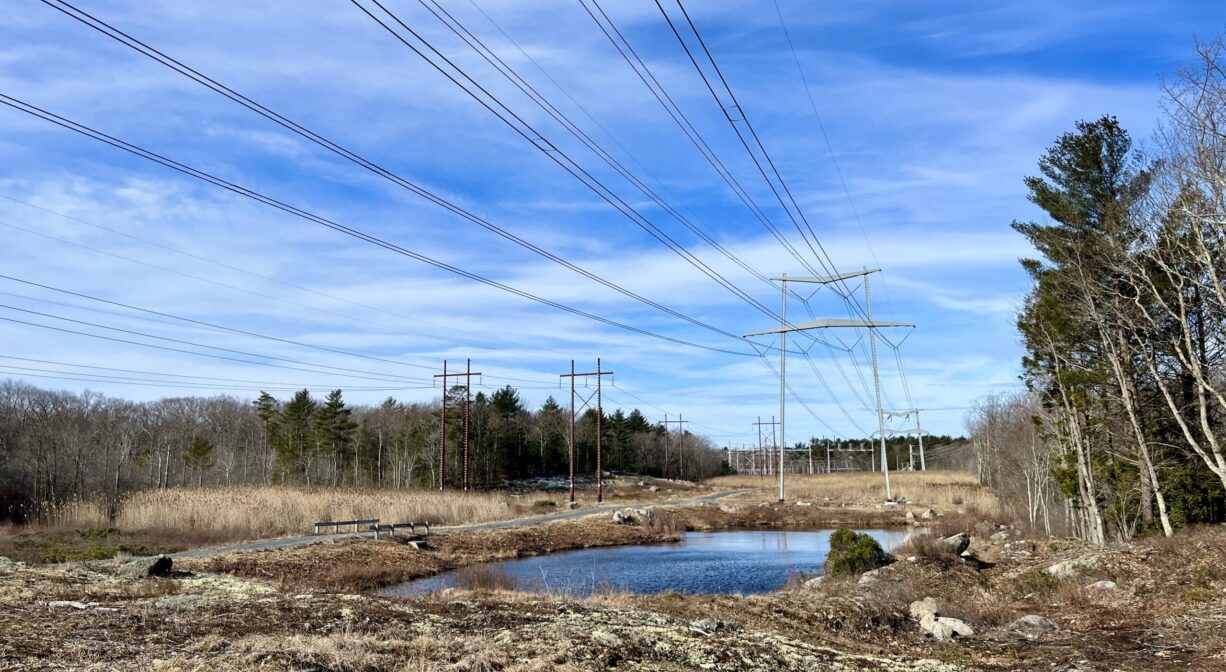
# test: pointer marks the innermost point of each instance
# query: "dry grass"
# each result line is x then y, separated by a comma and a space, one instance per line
948, 489
930, 550
252, 512
484, 578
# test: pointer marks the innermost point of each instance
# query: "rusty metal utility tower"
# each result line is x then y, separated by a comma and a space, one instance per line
442, 446
600, 374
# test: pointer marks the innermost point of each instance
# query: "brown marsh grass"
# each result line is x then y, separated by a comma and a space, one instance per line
941, 489
252, 512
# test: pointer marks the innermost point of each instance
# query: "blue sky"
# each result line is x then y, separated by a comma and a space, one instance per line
934, 111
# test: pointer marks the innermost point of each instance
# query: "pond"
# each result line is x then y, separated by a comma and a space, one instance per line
741, 561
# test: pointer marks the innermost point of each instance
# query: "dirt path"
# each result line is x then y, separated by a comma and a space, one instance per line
307, 539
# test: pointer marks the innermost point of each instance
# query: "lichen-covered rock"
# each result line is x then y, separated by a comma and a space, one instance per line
152, 566
633, 516
1032, 626
924, 607
959, 542
1071, 569
946, 629
607, 639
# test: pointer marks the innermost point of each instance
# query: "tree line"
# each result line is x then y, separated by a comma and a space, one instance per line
57, 445
1120, 429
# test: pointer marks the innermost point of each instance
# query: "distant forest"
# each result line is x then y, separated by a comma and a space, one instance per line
58, 445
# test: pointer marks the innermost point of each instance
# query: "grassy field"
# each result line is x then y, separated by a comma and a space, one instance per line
266, 511
948, 489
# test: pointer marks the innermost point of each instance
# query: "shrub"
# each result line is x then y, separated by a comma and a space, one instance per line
853, 553
485, 578
542, 503
929, 550
1035, 581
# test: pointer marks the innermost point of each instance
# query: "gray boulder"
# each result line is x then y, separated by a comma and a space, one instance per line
152, 566
923, 608
928, 514
607, 639
707, 626
1071, 569
959, 542
632, 516
1032, 626
1103, 585
948, 629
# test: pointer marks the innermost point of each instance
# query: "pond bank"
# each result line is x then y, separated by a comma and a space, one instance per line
366, 564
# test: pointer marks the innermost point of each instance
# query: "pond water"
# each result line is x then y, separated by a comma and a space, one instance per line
742, 561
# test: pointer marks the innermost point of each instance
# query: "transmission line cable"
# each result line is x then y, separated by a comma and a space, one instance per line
549, 149
177, 66
221, 264
322, 221
181, 375
180, 350
628, 53
477, 45
210, 325
153, 382
386, 377
795, 212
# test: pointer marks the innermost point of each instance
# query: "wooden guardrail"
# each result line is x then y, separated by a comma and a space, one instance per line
391, 529
338, 524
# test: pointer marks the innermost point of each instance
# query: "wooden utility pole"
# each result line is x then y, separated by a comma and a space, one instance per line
600, 374
680, 442
442, 451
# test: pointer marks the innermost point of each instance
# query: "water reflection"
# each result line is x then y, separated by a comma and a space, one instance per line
742, 561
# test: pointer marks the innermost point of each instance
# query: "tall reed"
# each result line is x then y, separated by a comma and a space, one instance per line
249, 512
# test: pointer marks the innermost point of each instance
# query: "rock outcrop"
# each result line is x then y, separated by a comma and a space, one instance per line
152, 566
959, 542
1032, 626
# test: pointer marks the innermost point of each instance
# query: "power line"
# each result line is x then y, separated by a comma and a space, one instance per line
177, 66
550, 150
181, 375
153, 382
337, 371
774, 170
322, 221
457, 27
164, 384
210, 325
241, 289
797, 397
222, 264
822, 257
815, 244
744, 142
678, 116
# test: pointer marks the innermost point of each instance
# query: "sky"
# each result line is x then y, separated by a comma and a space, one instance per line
901, 130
